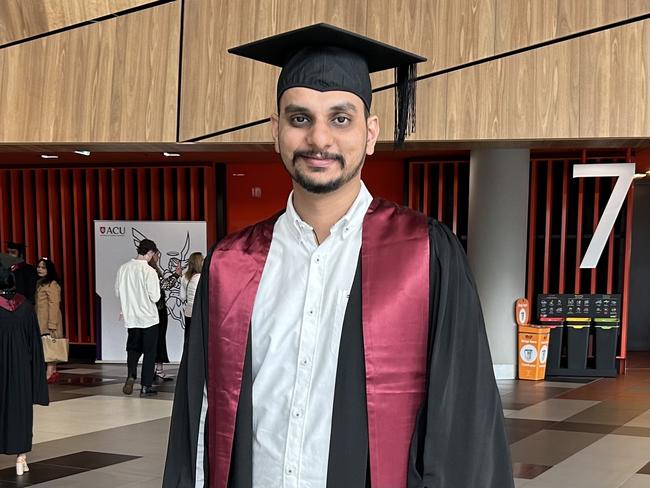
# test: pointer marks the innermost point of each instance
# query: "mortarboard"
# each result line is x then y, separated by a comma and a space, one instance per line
326, 58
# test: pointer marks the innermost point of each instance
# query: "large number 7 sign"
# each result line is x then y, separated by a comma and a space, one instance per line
625, 173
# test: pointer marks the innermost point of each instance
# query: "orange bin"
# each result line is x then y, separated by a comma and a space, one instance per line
533, 351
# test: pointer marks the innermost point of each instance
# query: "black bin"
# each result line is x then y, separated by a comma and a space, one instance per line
555, 341
577, 342
606, 342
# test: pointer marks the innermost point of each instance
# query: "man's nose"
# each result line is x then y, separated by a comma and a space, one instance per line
320, 135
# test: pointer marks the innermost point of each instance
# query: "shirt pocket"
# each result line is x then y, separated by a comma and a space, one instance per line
339, 316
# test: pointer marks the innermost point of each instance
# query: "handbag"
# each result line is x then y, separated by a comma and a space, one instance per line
55, 350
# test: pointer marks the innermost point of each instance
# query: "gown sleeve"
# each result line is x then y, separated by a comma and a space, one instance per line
40, 394
186, 441
459, 439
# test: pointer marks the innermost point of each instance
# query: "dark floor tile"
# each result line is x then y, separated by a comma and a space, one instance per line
645, 469
38, 473
591, 428
83, 380
528, 471
88, 460
518, 429
633, 431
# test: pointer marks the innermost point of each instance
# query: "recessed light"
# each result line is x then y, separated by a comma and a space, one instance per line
171, 155
638, 176
83, 153
49, 156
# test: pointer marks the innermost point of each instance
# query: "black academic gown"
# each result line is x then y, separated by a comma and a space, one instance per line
22, 377
459, 439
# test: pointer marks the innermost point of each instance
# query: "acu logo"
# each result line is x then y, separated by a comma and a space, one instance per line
112, 231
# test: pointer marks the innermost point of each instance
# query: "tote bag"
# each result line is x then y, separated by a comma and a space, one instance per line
55, 349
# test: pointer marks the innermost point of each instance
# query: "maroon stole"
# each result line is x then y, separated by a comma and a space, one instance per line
12, 304
395, 307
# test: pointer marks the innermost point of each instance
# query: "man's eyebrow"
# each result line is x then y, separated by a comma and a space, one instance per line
344, 107
293, 108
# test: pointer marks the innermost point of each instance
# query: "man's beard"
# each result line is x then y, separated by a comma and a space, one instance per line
305, 181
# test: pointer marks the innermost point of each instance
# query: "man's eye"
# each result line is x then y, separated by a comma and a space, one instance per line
299, 119
341, 119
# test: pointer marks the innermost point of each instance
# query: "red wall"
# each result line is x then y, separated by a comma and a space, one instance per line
257, 190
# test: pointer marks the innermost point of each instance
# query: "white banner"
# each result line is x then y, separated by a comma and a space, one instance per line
115, 243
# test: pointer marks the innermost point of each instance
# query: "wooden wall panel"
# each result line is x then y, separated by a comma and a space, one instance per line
20, 19
259, 133
557, 90
638, 7
615, 98
220, 90
524, 22
111, 81
578, 15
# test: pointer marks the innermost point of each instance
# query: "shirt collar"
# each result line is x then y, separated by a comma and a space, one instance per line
352, 220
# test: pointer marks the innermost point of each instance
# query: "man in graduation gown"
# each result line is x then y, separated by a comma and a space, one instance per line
341, 343
25, 274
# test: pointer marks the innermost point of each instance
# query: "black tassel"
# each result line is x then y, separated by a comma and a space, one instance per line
405, 102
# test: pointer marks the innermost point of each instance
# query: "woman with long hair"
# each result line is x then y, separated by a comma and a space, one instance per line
48, 307
22, 382
163, 319
189, 284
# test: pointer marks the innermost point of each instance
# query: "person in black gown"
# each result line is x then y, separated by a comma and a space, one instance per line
346, 316
22, 370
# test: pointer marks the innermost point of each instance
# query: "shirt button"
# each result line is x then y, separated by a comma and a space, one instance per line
297, 413
304, 362
290, 470
317, 259
311, 312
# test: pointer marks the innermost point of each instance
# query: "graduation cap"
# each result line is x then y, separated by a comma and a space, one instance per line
327, 58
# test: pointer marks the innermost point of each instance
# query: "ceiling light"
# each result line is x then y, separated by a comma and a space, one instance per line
171, 155
49, 156
638, 176
83, 153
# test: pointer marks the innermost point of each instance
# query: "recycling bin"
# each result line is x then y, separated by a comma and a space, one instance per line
533, 352
606, 341
556, 327
577, 341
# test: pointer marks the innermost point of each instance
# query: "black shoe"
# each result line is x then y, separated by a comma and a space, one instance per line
148, 391
128, 386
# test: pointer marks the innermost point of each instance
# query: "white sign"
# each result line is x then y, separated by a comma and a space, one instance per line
625, 173
115, 243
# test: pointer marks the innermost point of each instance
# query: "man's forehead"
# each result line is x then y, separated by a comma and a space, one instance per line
311, 99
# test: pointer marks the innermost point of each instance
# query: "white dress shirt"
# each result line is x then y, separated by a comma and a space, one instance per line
296, 331
138, 289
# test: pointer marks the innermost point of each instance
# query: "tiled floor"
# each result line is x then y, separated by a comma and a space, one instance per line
564, 434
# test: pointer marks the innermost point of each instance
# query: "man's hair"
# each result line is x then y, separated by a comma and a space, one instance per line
18, 246
145, 246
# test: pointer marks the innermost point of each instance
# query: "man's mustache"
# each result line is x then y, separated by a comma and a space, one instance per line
318, 155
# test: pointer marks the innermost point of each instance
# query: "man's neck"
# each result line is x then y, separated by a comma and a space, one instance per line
322, 211
141, 258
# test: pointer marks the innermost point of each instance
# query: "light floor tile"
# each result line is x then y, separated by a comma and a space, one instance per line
96, 478
642, 420
637, 481
554, 409
607, 463
519, 482
91, 414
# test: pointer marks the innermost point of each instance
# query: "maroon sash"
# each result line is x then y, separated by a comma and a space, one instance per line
395, 291
13, 303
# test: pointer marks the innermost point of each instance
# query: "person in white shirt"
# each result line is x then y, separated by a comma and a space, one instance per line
189, 283
138, 289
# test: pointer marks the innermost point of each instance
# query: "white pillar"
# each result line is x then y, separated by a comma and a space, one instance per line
496, 244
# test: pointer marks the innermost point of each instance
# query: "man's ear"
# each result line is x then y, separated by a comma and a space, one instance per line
372, 124
275, 129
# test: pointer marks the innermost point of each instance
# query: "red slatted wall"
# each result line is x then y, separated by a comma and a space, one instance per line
563, 213
440, 189
52, 211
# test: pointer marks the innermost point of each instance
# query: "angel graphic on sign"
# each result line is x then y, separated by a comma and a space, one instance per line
170, 267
